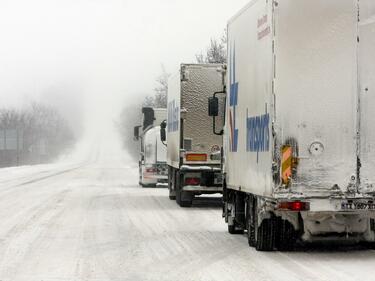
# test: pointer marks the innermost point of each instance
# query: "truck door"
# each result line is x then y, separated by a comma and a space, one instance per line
316, 91
367, 92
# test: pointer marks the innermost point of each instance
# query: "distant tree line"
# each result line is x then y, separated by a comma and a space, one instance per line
32, 135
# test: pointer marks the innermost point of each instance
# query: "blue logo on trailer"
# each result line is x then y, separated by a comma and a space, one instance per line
258, 135
233, 102
173, 120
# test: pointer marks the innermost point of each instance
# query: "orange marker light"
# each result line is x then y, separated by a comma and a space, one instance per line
196, 157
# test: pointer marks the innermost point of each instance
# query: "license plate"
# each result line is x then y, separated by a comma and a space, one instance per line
353, 206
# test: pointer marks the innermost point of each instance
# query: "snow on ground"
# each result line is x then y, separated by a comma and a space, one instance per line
89, 220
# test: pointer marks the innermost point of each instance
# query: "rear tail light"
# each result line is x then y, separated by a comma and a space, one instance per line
150, 170
192, 181
196, 157
294, 206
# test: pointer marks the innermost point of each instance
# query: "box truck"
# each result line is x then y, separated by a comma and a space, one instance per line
153, 153
193, 151
299, 141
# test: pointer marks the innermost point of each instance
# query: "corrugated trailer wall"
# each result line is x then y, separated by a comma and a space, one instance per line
199, 82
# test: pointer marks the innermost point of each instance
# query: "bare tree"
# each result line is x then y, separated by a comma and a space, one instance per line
9, 118
148, 102
200, 58
216, 52
161, 90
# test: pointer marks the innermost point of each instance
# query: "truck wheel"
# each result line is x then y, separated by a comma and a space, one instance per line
186, 204
369, 245
171, 183
286, 235
177, 187
251, 235
179, 199
184, 199
147, 185
234, 230
235, 227
178, 192
140, 173
250, 223
265, 234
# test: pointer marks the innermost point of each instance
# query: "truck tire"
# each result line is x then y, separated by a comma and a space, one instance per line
177, 188
187, 198
171, 183
266, 235
369, 245
286, 235
250, 221
234, 230
186, 204
180, 194
264, 232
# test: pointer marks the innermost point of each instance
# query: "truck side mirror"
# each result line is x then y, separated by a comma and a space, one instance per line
213, 106
136, 132
163, 133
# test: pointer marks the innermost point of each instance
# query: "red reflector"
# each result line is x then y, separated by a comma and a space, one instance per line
196, 157
294, 206
192, 181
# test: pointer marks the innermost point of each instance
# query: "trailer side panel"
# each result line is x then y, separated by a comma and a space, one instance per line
248, 135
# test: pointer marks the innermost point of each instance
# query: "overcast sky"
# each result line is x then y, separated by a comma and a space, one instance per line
98, 54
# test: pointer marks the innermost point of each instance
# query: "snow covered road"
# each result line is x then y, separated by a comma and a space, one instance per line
91, 221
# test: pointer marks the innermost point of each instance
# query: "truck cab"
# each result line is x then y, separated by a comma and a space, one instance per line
152, 156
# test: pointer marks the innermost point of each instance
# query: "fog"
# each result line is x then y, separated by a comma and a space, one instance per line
90, 57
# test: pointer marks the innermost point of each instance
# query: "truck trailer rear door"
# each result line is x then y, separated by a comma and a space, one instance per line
316, 90
367, 92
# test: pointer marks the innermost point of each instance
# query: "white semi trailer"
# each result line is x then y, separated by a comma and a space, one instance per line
153, 153
193, 152
299, 136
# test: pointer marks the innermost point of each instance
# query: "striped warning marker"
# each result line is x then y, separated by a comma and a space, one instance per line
286, 164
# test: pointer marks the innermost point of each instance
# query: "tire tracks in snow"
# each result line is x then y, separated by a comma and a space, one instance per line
28, 184
25, 236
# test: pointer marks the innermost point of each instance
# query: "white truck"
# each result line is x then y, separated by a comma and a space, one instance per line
193, 152
299, 141
153, 153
